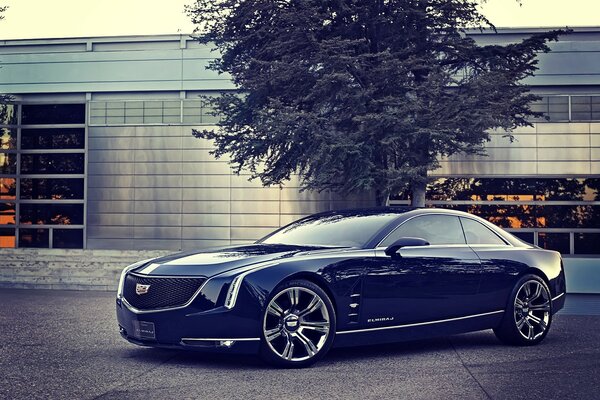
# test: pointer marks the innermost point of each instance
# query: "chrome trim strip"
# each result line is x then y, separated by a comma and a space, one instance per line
559, 296
136, 311
420, 323
467, 215
220, 339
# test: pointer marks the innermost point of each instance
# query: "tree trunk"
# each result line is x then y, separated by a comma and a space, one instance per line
417, 198
381, 198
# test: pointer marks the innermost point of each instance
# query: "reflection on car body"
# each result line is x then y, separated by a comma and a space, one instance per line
345, 278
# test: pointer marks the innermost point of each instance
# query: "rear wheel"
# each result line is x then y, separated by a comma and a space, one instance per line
298, 325
529, 313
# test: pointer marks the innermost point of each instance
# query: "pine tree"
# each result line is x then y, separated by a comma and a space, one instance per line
358, 95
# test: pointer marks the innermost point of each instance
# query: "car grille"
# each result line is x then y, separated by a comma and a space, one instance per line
162, 293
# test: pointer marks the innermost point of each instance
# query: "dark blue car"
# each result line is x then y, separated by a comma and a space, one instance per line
345, 278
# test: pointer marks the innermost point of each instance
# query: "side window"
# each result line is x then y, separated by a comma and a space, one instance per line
477, 233
436, 229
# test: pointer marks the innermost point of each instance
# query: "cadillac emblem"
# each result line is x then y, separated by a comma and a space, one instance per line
141, 289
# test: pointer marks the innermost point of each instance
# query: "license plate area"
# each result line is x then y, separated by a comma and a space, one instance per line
144, 330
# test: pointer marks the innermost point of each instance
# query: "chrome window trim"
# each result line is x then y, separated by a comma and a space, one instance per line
381, 328
508, 245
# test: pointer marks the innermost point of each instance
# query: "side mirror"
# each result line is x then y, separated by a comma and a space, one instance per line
392, 249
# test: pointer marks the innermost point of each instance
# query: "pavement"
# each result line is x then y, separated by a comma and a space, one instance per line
65, 344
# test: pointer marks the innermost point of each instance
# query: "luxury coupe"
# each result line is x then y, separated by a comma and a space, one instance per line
345, 278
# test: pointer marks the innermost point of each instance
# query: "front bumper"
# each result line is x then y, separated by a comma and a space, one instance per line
218, 329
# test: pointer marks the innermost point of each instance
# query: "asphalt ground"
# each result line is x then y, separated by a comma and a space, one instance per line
65, 344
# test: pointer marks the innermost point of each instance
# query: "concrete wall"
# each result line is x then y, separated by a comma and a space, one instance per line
100, 269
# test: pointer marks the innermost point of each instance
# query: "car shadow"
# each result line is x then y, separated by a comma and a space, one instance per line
335, 356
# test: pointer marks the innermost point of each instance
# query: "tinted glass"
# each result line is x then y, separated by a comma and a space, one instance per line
8, 188
63, 138
7, 237
587, 243
52, 163
51, 214
8, 139
67, 238
477, 233
34, 238
34, 114
8, 114
554, 241
511, 190
52, 188
436, 229
527, 237
7, 213
332, 230
8, 163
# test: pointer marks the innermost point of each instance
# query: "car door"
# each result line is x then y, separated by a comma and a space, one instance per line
424, 283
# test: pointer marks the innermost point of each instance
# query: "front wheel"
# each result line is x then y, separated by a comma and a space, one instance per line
528, 315
298, 325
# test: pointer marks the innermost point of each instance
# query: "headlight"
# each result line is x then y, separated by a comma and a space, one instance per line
232, 293
125, 271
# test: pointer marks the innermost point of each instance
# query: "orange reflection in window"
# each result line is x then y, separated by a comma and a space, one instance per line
8, 188
8, 241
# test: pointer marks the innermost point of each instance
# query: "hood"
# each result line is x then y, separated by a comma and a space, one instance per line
214, 261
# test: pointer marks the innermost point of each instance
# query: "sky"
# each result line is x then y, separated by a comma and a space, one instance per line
26, 19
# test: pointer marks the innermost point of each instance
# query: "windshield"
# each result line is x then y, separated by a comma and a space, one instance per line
332, 230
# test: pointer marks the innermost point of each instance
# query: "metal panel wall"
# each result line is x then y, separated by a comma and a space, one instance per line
155, 187
551, 149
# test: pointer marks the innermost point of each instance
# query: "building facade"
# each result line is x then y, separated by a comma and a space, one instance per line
97, 152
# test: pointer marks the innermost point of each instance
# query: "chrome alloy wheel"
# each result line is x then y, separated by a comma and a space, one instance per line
296, 324
532, 309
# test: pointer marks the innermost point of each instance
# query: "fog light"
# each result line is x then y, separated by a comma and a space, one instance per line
226, 343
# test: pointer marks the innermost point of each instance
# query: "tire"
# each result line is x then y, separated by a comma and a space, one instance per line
528, 315
298, 325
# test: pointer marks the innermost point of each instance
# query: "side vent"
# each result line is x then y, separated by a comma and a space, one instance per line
355, 301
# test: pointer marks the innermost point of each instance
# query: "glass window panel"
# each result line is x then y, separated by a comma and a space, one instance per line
8, 163
568, 216
554, 241
51, 188
134, 119
192, 119
524, 236
115, 120
120, 105
8, 139
558, 100
34, 238
51, 214
59, 138
577, 101
476, 233
436, 229
7, 237
558, 116
8, 114
518, 189
587, 243
503, 215
34, 114
67, 238
7, 213
98, 120
8, 188
69, 163
581, 116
